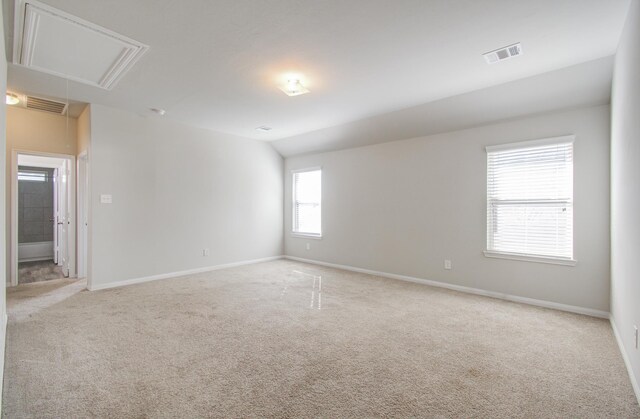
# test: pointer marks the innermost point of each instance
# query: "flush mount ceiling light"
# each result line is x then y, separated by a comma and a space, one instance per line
263, 129
293, 87
503, 53
12, 99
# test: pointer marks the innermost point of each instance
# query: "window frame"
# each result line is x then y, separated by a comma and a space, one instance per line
556, 260
317, 236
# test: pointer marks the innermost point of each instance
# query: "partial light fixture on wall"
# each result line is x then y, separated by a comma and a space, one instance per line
12, 99
293, 87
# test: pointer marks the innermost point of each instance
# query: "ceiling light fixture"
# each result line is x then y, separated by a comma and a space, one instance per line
293, 87
159, 111
263, 129
12, 99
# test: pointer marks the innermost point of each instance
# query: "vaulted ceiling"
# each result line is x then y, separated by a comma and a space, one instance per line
216, 64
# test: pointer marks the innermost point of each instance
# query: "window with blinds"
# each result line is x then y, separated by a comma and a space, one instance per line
530, 200
307, 202
33, 175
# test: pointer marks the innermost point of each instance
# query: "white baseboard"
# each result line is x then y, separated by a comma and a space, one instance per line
468, 290
179, 273
627, 361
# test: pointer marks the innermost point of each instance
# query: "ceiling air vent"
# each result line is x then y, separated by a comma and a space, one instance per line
503, 53
46, 105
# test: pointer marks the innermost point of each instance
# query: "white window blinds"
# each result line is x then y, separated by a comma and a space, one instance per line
530, 198
307, 202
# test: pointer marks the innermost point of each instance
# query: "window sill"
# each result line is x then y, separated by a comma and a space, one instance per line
307, 236
530, 258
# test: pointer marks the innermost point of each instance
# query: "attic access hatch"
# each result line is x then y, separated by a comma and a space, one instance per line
55, 42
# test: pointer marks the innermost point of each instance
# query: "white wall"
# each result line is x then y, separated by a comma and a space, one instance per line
3, 193
177, 190
40, 131
83, 131
625, 190
403, 207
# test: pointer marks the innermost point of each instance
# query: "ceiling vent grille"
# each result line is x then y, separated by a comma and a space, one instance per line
503, 53
46, 105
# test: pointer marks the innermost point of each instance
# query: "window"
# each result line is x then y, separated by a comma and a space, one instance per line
530, 200
307, 202
32, 175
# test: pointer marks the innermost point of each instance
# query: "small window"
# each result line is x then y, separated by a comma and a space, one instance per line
307, 202
530, 200
33, 176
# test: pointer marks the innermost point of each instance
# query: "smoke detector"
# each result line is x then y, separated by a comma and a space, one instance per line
503, 53
263, 129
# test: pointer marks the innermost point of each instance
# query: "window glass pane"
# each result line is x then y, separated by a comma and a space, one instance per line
542, 230
307, 196
33, 176
530, 200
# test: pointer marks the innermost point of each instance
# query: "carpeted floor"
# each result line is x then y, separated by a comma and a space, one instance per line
41, 270
285, 339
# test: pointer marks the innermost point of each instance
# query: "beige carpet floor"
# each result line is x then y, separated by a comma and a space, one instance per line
285, 339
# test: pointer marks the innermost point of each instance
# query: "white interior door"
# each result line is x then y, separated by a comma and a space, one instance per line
63, 218
56, 246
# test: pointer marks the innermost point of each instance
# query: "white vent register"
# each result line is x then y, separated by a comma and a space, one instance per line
45, 105
503, 53
54, 42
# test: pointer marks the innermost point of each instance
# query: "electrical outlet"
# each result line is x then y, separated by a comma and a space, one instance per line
205, 252
447, 264
308, 246
635, 334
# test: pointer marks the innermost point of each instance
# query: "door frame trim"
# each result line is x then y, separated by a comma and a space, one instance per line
83, 204
13, 254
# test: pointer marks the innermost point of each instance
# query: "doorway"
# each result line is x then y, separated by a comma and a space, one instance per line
42, 217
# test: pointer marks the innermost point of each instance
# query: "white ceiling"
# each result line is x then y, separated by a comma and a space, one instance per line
215, 64
585, 84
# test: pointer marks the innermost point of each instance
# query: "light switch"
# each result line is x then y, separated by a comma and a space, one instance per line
106, 199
